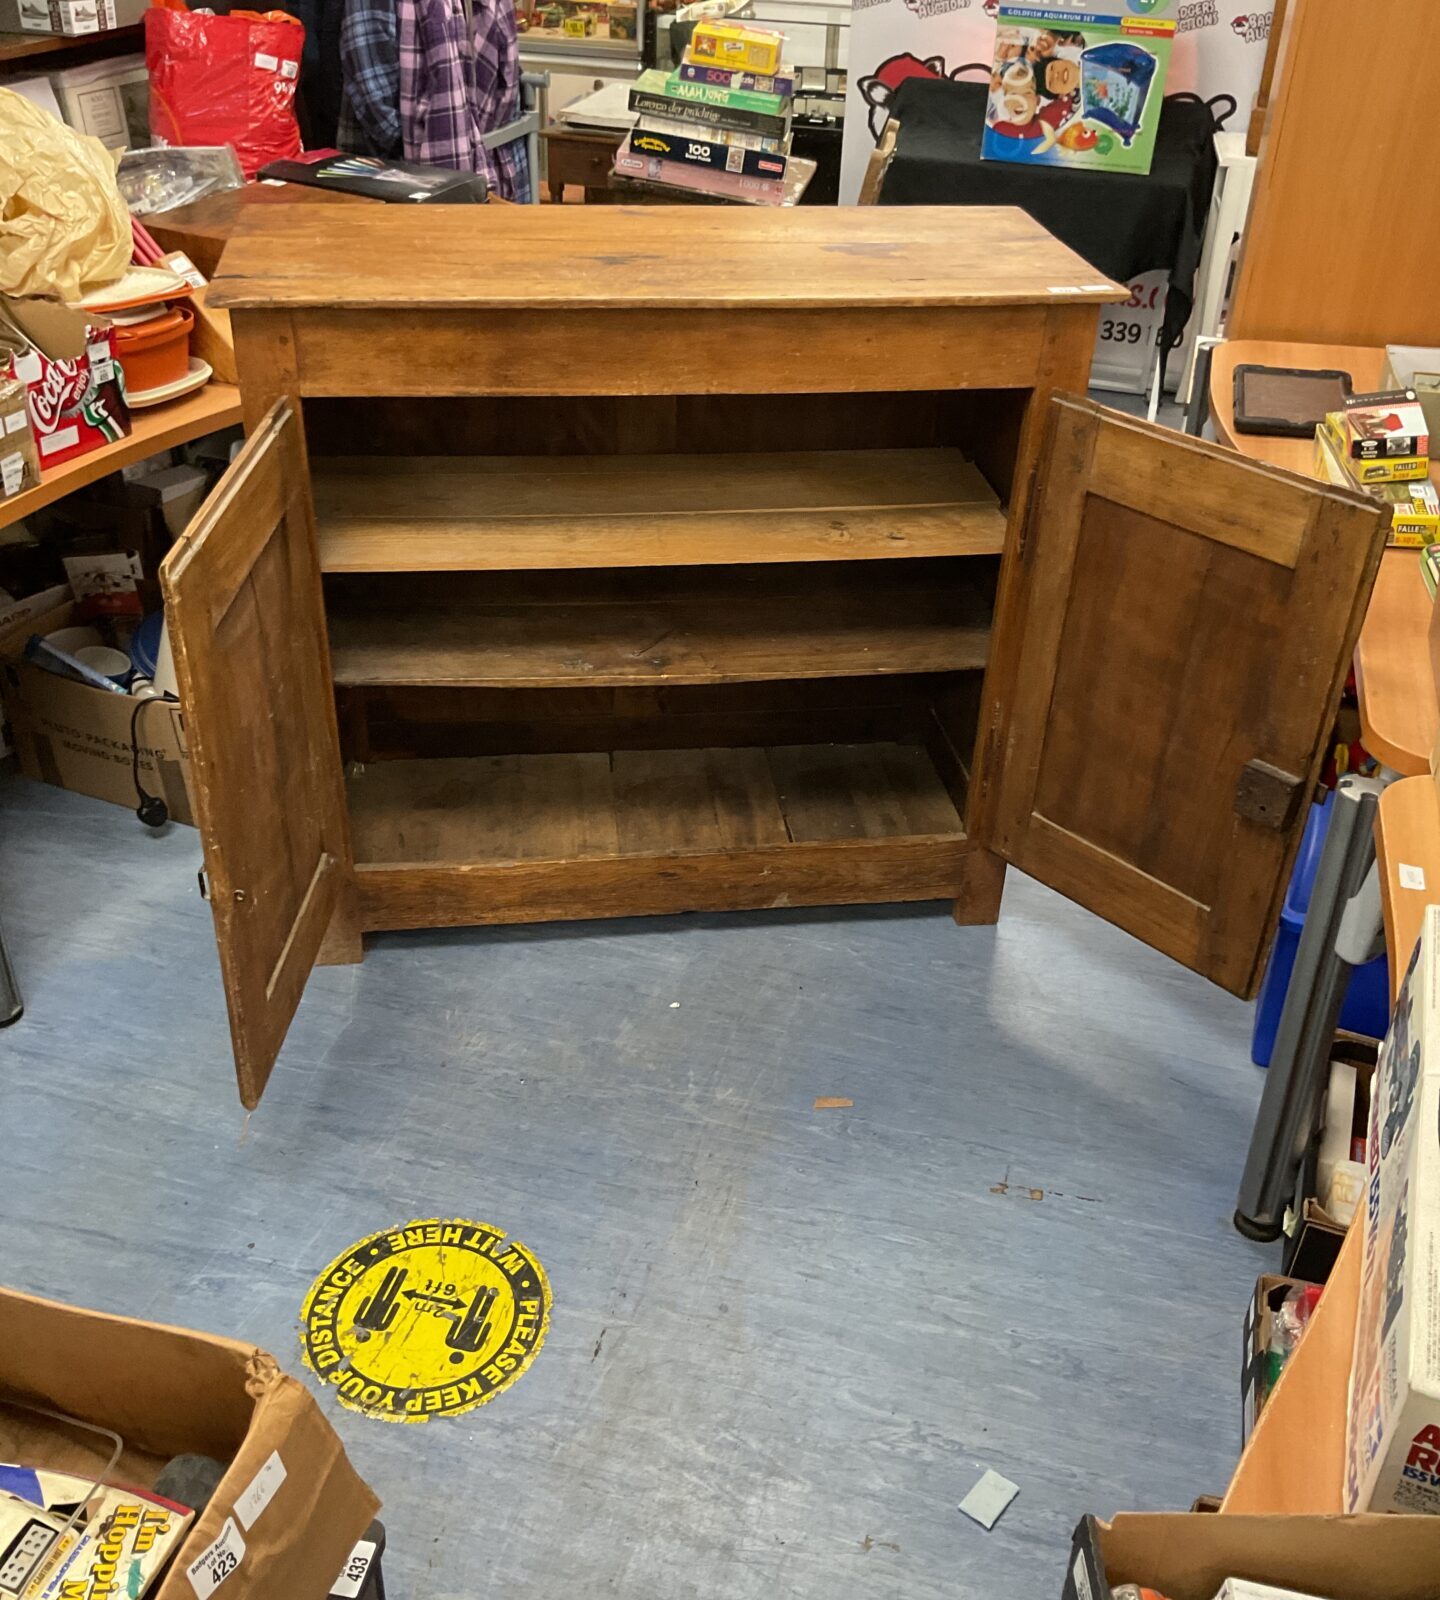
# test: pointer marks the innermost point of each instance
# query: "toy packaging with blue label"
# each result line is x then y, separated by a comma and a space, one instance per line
1073, 87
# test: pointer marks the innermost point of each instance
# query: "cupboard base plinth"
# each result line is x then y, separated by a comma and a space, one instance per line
849, 872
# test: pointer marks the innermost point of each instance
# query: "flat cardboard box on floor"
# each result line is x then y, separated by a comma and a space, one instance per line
1188, 1556
78, 738
168, 1392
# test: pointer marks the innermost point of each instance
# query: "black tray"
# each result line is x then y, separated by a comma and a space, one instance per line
1290, 402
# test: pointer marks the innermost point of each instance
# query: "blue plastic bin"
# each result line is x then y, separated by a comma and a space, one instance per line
1366, 1008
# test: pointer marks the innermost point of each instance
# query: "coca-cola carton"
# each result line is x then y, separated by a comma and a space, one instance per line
75, 405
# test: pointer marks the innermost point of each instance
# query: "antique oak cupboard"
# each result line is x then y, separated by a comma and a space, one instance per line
589, 562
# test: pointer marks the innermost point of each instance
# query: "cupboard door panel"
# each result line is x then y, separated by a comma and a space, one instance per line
243, 602
1186, 619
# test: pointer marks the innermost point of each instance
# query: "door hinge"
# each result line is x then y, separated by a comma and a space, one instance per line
204, 884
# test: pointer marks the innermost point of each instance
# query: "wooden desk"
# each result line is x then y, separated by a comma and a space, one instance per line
583, 156
1399, 713
1296, 455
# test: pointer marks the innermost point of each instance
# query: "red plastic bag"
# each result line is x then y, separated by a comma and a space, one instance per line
225, 80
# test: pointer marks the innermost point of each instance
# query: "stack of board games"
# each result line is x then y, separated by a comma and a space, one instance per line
1381, 443
719, 123
1078, 85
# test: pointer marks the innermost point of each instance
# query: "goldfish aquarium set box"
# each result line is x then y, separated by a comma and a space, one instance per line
1078, 87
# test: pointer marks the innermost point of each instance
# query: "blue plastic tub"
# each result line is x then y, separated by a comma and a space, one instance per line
1367, 1001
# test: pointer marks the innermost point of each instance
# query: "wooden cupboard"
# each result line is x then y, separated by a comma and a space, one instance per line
588, 563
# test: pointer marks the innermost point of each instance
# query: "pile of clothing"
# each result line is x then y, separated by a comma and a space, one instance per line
415, 80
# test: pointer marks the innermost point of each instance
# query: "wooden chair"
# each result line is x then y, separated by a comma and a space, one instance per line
879, 164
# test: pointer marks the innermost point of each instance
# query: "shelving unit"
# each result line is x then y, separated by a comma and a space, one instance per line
17, 48
157, 428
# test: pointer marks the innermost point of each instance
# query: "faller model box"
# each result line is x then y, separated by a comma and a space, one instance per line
1393, 1430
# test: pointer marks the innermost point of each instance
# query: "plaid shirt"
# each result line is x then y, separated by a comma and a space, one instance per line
370, 59
459, 79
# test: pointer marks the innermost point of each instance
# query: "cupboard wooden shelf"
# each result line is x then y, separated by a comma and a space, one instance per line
676, 635
432, 514
505, 838
630, 637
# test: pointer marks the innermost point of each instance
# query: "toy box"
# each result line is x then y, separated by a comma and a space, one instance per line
1414, 505
1393, 1428
1372, 469
1079, 88
727, 44
1386, 426
117, 1531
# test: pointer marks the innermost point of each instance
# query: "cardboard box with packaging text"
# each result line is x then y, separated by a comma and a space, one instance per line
290, 1506
78, 738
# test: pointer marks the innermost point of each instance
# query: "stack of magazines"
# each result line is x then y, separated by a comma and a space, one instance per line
719, 124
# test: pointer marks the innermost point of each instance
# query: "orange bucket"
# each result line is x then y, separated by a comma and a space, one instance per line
156, 352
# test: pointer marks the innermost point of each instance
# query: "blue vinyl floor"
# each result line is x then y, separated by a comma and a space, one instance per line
785, 1341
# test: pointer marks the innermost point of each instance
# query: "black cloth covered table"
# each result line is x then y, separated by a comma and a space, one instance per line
1123, 223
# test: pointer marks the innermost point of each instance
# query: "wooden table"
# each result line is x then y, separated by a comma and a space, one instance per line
583, 156
1399, 714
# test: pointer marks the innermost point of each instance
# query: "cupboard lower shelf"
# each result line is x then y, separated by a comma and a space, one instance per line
727, 637
453, 514
454, 842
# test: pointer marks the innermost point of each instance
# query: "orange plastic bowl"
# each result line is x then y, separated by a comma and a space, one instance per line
156, 352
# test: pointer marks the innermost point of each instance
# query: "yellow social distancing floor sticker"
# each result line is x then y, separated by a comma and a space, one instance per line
426, 1320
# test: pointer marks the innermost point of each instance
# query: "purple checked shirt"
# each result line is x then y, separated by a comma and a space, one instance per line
459, 79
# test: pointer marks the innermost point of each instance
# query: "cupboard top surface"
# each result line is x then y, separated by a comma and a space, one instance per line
415, 258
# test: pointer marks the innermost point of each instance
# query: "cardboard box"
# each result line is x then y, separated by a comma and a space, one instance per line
1407, 366
76, 402
728, 44
1383, 425
109, 100
290, 1507
1414, 505
1189, 1556
69, 16
1078, 88
1256, 1382
78, 738
19, 459
1392, 1438
1242, 1589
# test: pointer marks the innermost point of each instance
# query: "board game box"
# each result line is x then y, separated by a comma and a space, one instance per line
701, 152
1078, 88
781, 83
665, 95
698, 179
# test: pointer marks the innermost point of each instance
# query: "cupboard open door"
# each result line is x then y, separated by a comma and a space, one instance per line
246, 621
1172, 637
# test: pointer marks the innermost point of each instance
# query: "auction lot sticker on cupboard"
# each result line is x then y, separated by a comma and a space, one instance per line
429, 1319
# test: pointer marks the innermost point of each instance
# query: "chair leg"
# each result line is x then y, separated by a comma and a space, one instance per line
12, 1008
